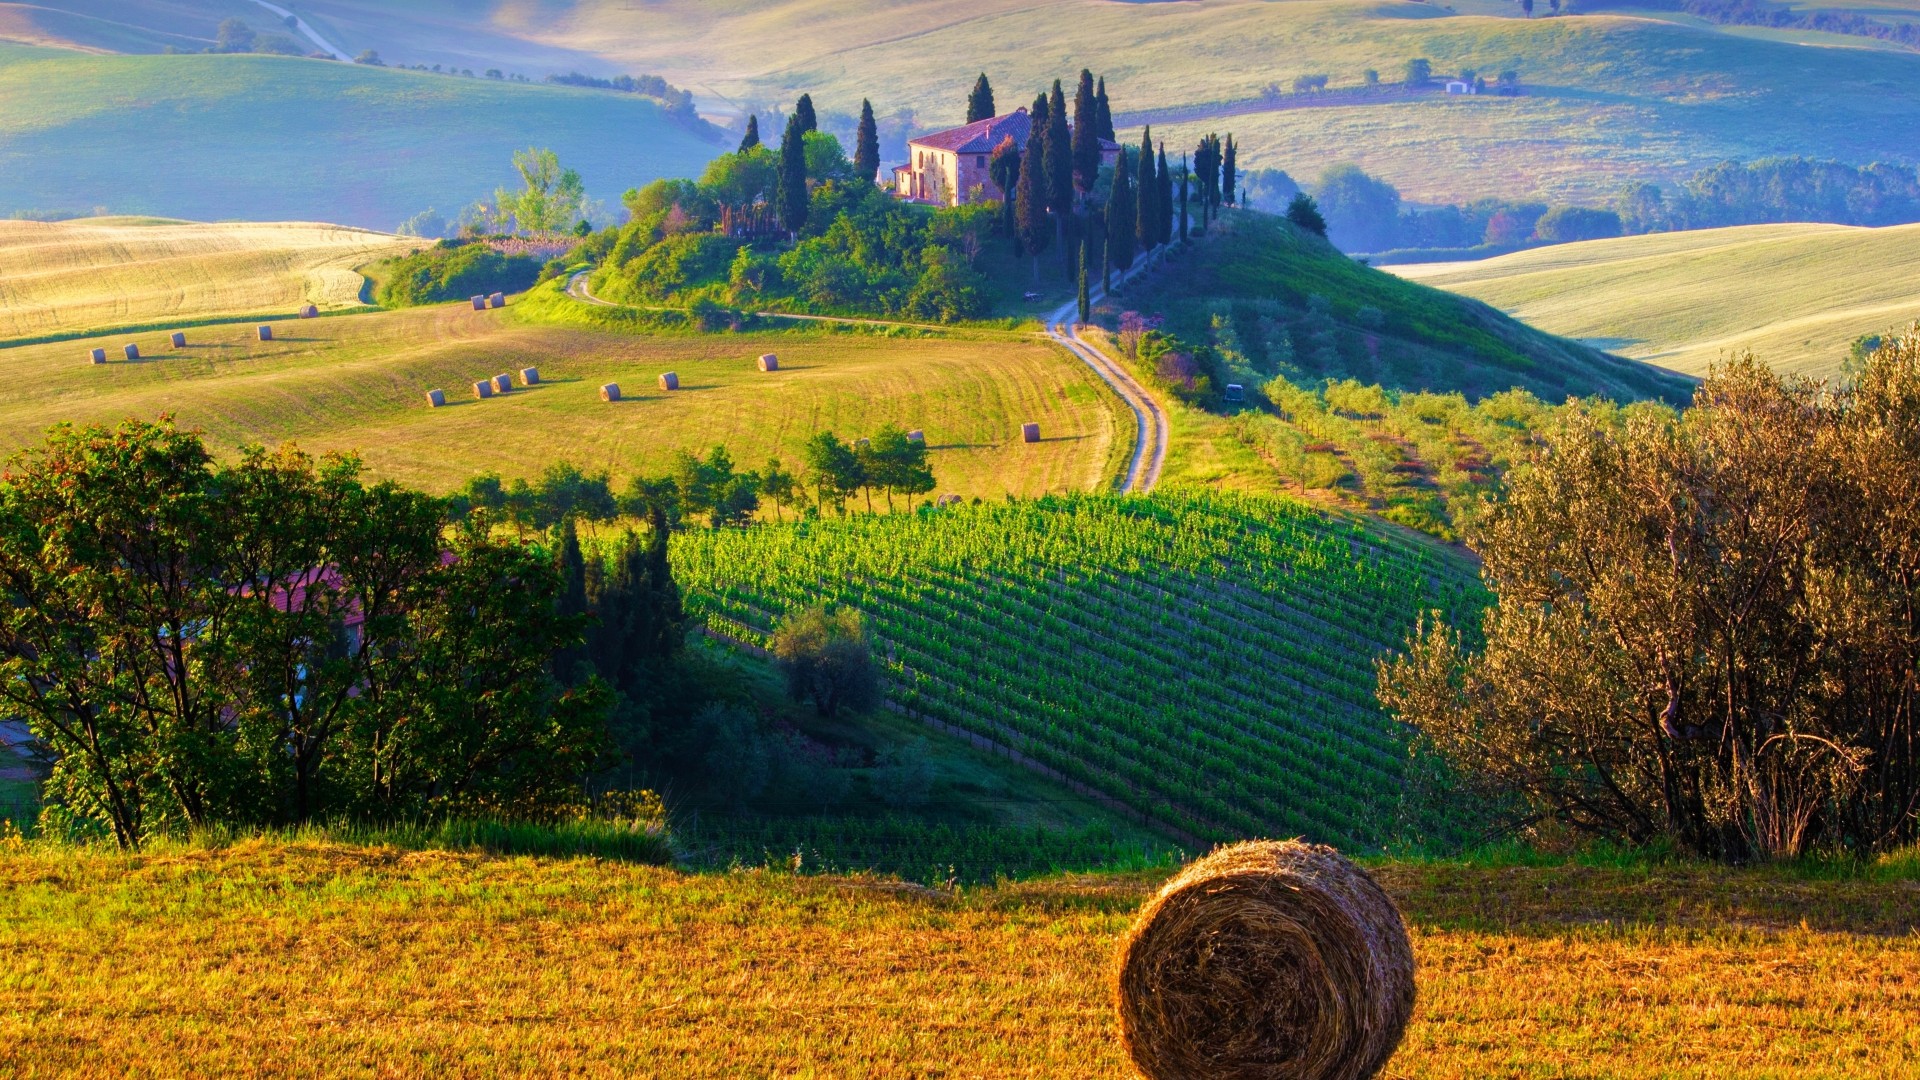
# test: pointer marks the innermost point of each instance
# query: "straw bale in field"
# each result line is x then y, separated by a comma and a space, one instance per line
530, 376
503, 383
479, 303
610, 392
132, 351
483, 389
497, 300
308, 311
179, 340
265, 332
769, 362
98, 356
669, 381
1265, 961
436, 398
1030, 432
916, 435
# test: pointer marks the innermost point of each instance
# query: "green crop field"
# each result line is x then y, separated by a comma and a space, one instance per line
276, 138
99, 273
1796, 295
1204, 658
358, 383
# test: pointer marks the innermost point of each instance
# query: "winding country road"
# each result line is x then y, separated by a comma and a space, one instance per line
1150, 421
306, 31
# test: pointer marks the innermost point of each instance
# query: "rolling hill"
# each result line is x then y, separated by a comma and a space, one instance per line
100, 273
277, 138
1796, 295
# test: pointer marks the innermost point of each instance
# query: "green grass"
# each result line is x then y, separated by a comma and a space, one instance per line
1204, 659
271, 138
358, 384
342, 960
1796, 295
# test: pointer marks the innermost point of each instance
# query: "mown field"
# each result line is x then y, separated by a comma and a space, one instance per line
276, 138
324, 960
359, 384
99, 273
1796, 295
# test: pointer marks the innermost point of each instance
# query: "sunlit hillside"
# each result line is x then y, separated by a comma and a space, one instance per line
1796, 295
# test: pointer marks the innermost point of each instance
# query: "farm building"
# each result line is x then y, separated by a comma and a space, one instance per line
951, 167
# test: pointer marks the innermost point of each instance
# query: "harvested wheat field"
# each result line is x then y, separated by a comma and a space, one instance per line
310, 959
67, 276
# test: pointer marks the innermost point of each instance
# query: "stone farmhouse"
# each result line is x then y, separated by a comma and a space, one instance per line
950, 168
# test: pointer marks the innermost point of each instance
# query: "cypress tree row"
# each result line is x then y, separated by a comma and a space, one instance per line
1206, 177
1086, 134
804, 110
790, 181
1103, 115
980, 101
1163, 199
866, 142
752, 138
1226, 172
1146, 216
1121, 204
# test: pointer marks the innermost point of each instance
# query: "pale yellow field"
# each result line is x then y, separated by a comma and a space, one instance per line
63, 276
358, 383
1796, 295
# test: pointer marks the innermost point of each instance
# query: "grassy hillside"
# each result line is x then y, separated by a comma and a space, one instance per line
272, 138
359, 384
343, 961
105, 272
1796, 295
1205, 659
1376, 327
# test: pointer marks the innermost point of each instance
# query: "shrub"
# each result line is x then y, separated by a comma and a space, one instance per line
825, 656
454, 270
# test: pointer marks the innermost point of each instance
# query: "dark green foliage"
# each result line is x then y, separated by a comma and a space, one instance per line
790, 189
1121, 207
833, 470
455, 270
1103, 114
1228, 176
1059, 157
571, 566
752, 137
824, 654
1086, 305
866, 145
1086, 134
1004, 168
1163, 198
1146, 192
980, 100
711, 486
1030, 203
1185, 183
1362, 213
1038, 114
803, 112
895, 464
1419, 73
1566, 224
639, 626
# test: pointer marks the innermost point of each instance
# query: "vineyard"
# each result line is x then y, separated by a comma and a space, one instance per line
1201, 660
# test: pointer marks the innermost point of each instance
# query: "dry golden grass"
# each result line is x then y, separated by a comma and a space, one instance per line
319, 960
360, 384
105, 272
1796, 295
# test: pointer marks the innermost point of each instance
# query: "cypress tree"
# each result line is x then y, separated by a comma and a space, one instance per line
1103, 115
1120, 211
752, 138
866, 153
1038, 114
1086, 302
804, 110
1146, 217
1163, 197
1226, 172
1059, 162
1086, 134
1185, 175
1106, 252
572, 601
1030, 207
980, 101
790, 185
1004, 167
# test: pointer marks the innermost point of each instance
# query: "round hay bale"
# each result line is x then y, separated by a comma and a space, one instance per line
483, 389
916, 435
98, 356
530, 376
610, 392
179, 340
1030, 432
769, 362
497, 300
479, 303
502, 383
132, 351
308, 311
669, 381
265, 332
1266, 961
436, 398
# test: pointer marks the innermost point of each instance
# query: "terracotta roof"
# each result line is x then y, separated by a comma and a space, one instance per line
981, 136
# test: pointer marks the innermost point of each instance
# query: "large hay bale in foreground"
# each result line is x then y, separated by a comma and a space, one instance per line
530, 376
98, 356
1030, 432
769, 362
669, 381
265, 332
436, 398
610, 392
1266, 961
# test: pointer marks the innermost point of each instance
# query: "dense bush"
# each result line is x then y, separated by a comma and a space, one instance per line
455, 270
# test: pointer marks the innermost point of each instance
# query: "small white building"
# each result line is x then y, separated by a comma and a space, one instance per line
1458, 86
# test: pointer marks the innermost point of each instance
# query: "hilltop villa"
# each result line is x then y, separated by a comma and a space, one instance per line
949, 167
